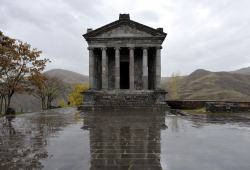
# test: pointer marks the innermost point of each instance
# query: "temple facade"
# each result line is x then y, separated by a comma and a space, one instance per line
124, 56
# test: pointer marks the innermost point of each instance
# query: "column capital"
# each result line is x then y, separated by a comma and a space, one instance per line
104, 48
117, 48
131, 48
144, 48
90, 48
158, 47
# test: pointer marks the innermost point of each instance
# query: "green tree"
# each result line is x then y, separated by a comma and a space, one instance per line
62, 103
75, 97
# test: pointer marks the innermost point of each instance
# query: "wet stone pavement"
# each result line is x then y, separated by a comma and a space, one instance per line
124, 140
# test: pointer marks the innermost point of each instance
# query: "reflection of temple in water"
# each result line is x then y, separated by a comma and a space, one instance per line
121, 140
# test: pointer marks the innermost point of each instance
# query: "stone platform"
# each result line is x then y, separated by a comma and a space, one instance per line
113, 99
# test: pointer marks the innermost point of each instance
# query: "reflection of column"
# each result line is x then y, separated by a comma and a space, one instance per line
119, 141
131, 69
158, 68
91, 69
117, 68
104, 69
145, 68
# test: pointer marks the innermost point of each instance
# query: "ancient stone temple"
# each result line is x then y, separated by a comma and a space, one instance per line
124, 63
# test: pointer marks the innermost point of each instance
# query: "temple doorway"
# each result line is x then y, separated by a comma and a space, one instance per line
124, 75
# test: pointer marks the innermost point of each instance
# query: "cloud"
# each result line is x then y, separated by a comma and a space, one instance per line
205, 34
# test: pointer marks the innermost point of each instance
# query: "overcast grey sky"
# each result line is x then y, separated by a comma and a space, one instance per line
208, 34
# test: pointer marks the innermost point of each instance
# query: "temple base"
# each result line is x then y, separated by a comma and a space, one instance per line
114, 99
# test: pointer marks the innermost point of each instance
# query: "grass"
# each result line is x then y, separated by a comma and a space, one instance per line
202, 111
196, 111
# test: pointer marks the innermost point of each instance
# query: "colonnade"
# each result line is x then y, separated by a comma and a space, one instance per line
145, 63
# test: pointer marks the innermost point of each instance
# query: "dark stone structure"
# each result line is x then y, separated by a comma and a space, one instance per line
226, 106
125, 64
210, 105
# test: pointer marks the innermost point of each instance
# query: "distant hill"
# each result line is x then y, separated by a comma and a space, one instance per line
28, 103
245, 71
206, 85
68, 77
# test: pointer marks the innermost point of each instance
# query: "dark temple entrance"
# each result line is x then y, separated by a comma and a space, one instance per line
124, 75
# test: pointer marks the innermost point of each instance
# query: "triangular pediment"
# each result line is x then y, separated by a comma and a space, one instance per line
123, 29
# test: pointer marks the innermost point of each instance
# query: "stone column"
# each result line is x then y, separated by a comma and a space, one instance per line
117, 68
145, 68
91, 69
158, 68
104, 69
131, 69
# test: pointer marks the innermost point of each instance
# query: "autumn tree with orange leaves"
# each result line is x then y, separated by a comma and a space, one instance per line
38, 88
18, 61
45, 88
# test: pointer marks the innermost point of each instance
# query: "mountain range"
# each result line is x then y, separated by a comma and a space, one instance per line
199, 85
206, 85
68, 77
245, 71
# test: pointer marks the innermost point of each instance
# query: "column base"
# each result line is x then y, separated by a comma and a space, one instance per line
145, 82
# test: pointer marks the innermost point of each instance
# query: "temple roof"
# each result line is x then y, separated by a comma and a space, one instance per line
124, 27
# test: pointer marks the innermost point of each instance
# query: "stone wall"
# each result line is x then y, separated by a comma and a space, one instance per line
125, 98
211, 106
186, 104
227, 107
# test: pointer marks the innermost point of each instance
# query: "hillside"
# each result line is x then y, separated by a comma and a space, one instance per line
206, 85
68, 77
245, 71
28, 103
